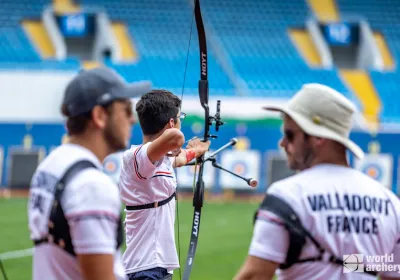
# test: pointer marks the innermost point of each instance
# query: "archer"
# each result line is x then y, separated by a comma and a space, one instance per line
148, 186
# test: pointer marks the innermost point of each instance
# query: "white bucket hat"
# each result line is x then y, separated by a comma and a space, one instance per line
322, 112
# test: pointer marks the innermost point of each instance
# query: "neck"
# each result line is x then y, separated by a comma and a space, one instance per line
334, 157
151, 138
93, 143
340, 162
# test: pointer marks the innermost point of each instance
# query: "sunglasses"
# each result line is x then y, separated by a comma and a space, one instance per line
289, 135
127, 107
181, 117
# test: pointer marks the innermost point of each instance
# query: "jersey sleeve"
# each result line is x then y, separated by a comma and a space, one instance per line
92, 208
270, 239
142, 165
396, 261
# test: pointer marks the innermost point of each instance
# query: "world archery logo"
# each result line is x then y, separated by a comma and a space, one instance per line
353, 263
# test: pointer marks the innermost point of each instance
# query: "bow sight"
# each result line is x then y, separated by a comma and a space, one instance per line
216, 119
209, 120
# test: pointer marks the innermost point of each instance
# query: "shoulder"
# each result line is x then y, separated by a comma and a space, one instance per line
293, 188
286, 186
137, 157
135, 153
134, 149
90, 190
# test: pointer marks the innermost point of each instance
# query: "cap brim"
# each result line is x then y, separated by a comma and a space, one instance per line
279, 108
133, 90
313, 129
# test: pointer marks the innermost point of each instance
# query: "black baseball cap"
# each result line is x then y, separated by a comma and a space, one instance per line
99, 86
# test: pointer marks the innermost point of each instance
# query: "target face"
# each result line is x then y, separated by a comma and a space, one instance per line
245, 163
111, 166
239, 167
373, 170
378, 167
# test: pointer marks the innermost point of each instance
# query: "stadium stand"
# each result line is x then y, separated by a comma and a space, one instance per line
262, 46
160, 31
16, 49
385, 20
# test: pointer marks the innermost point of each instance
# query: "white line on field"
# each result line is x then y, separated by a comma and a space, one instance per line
16, 254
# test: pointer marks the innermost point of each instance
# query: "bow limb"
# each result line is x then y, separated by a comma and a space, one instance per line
203, 95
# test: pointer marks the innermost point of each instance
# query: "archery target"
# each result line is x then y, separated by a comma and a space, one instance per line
377, 166
239, 167
373, 170
244, 163
112, 166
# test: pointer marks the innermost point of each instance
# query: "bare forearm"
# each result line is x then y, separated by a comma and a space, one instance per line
180, 160
257, 269
248, 275
97, 266
186, 156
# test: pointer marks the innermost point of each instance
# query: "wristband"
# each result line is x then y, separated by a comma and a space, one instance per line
190, 154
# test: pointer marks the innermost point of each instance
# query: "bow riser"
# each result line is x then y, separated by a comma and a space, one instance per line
199, 191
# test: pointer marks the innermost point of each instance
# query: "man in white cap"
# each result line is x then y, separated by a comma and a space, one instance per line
315, 224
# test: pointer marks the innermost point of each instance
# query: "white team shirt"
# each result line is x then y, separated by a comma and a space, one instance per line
150, 235
91, 205
345, 210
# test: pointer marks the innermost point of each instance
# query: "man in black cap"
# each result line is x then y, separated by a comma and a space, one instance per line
74, 208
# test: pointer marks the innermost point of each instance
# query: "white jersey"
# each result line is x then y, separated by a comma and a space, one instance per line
91, 205
150, 237
346, 211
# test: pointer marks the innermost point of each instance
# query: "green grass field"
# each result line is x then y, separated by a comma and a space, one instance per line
225, 234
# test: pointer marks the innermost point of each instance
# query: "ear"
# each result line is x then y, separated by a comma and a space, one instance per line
171, 123
318, 141
99, 117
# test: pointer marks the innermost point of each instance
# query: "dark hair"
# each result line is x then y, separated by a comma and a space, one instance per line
78, 124
155, 109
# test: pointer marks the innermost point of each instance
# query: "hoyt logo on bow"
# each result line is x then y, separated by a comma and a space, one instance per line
204, 64
196, 223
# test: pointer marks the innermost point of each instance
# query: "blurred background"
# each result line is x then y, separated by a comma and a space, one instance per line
259, 52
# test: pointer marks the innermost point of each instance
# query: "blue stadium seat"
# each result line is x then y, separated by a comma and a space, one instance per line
14, 45
384, 18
